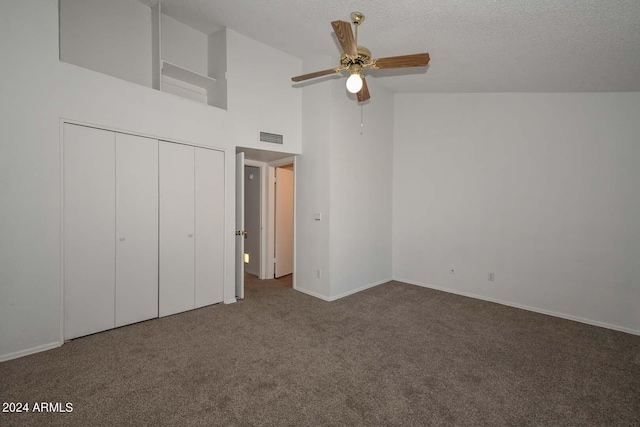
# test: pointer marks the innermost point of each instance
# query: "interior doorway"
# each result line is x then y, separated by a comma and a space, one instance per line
257, 233
252, 219
283, 221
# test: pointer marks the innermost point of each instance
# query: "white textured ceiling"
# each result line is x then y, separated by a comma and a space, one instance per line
475, 45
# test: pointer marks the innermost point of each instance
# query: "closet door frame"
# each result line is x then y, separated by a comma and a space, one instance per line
228, 296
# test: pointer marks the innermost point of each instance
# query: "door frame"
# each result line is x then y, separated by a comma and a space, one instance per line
271, 217
238, 258
267, 170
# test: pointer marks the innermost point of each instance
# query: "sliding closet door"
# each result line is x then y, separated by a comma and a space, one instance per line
209, 214
136, 229
177, 290
89, 230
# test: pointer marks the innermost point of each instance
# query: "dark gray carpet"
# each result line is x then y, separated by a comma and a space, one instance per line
392, 355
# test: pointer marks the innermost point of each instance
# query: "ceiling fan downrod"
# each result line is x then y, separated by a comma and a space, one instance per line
357, 18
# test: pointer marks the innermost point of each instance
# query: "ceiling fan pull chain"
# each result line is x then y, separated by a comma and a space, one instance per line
361, 119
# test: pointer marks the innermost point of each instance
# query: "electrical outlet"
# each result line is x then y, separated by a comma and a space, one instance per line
491, 277
452, 270
318, 273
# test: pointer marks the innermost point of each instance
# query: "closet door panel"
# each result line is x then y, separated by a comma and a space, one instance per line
209, 226
176, 171
136, 229
89, 230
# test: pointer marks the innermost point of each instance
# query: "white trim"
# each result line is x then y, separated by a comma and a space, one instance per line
292, 160
270, 271
29, 351
61, 233
344, 294
524, 307
230, 301
295, 222
282, 162
313, 294
144, 135
225, 240
360, 289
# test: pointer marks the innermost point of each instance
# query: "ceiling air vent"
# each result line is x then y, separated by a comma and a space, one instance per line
272, 138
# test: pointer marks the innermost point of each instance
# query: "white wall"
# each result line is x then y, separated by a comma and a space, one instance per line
217, 67
361, 189
184, 46
112, 37
347, 177
43, 91
312, 185
260, 94
541, 189
29, 177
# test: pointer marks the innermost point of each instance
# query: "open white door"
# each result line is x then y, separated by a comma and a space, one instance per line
284, 222
240, 233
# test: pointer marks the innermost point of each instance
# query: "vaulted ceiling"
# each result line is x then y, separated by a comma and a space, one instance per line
475, 45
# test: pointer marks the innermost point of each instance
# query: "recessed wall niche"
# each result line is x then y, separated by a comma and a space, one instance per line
131, 41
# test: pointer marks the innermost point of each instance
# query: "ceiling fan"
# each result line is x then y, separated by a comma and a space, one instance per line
355, 59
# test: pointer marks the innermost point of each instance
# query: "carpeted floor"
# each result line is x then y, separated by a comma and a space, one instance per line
395, 354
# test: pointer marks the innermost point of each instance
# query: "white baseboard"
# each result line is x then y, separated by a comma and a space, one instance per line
313, 294
360, 289
344, 294
29, 351
524, 307
230, 301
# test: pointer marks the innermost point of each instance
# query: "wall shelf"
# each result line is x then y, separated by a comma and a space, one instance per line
187, 63
187, 76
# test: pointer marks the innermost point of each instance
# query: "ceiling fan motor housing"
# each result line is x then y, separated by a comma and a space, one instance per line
362, 58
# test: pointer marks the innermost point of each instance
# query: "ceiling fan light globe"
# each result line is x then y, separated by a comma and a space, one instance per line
354, 83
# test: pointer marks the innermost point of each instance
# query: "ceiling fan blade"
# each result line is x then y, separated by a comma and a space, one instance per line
315, 74
417, 60
345, 37
363, 95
